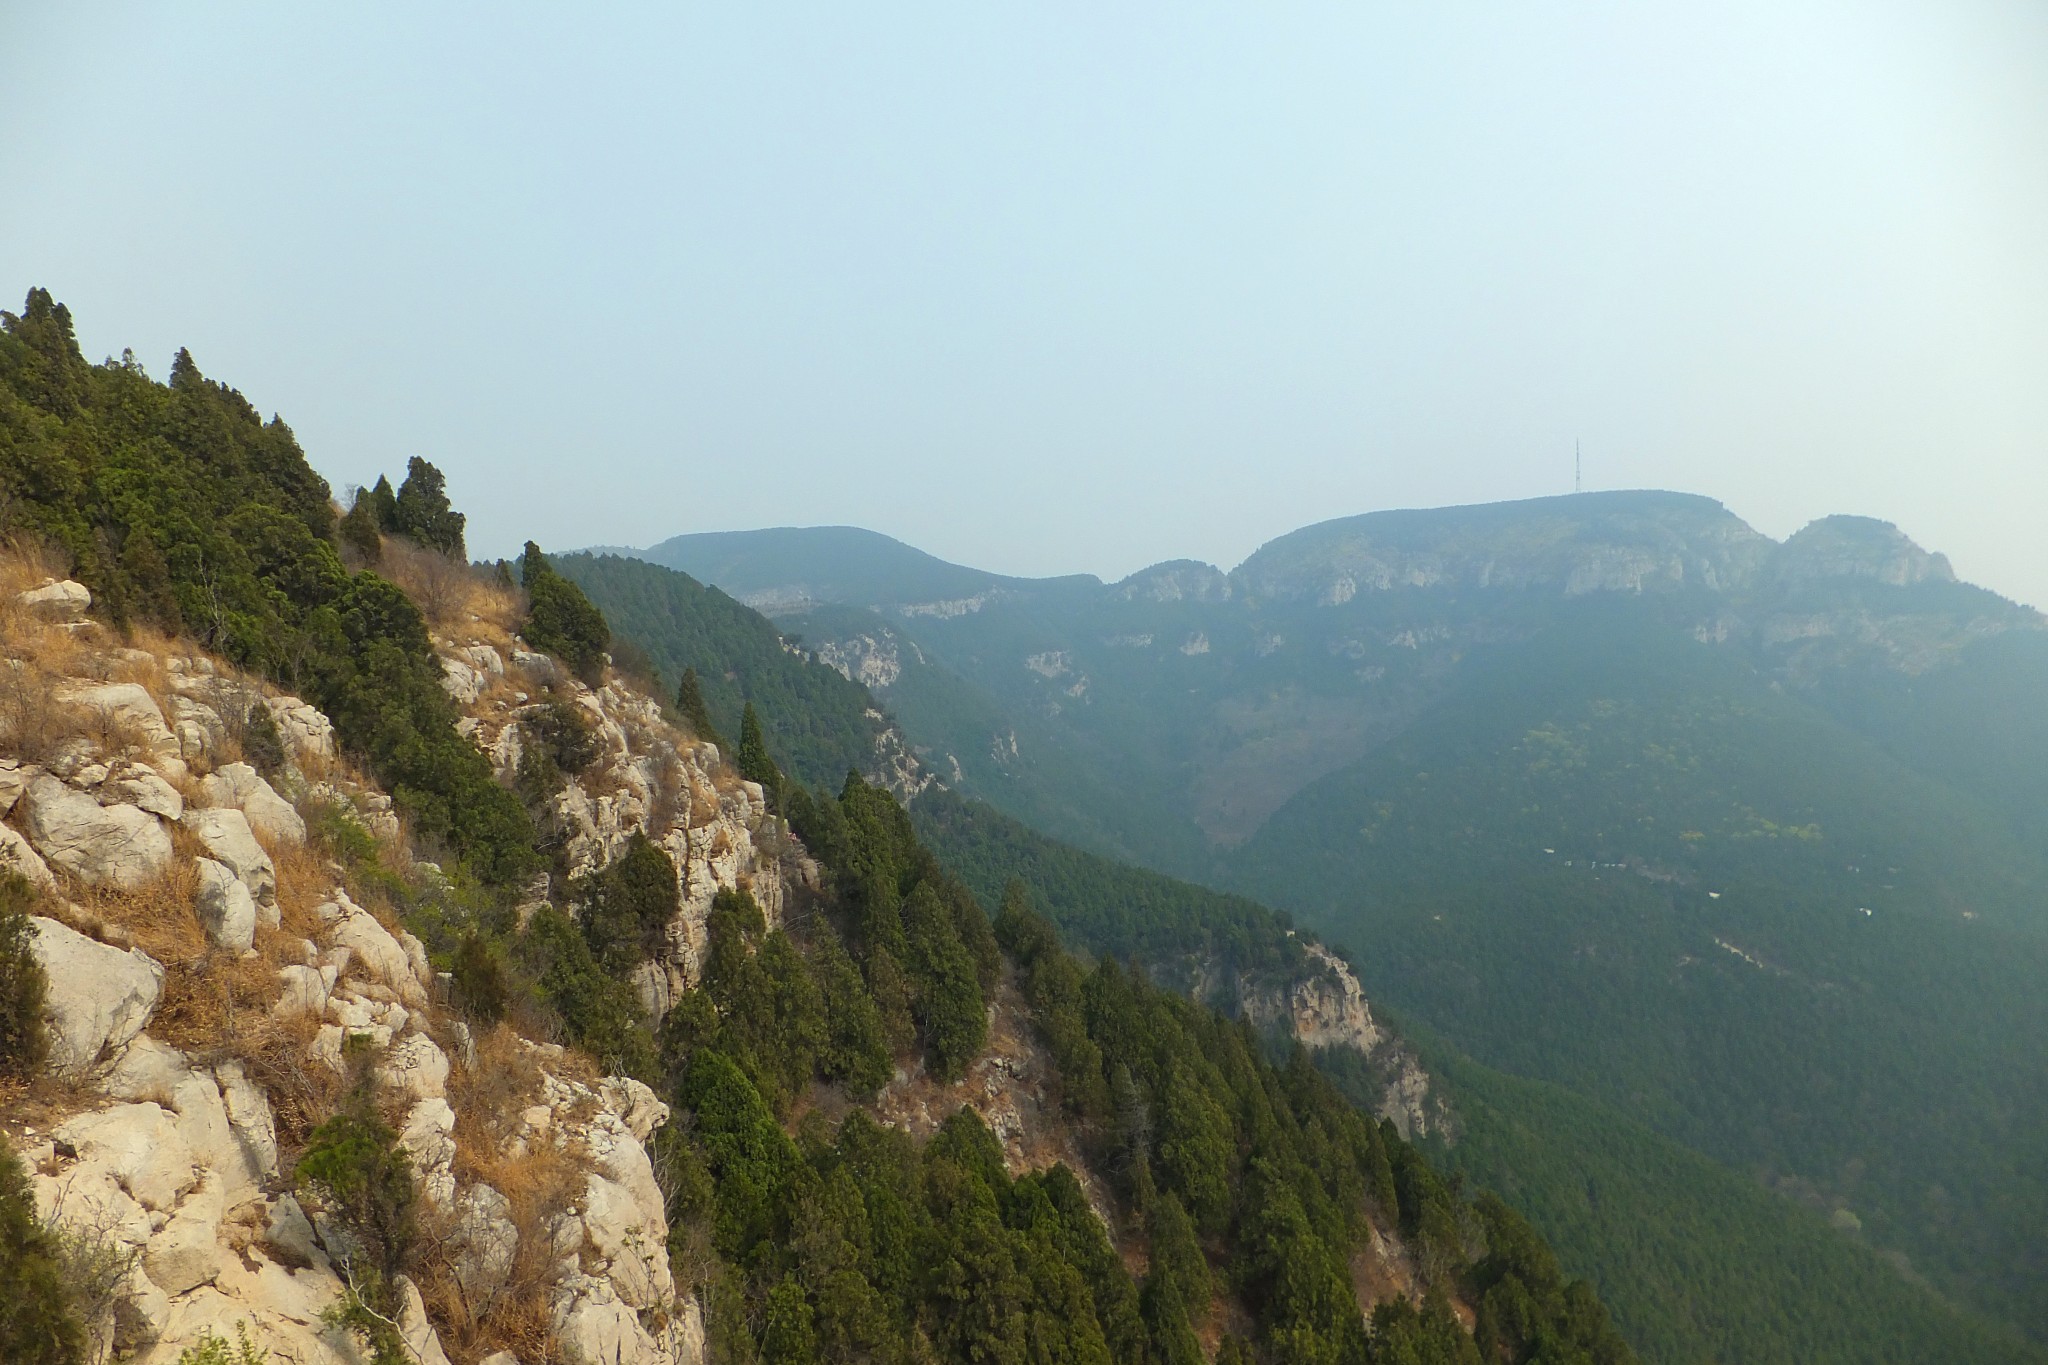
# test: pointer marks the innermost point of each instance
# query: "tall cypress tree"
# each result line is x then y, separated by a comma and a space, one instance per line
690, 701
383, 504
756, 764
422, 512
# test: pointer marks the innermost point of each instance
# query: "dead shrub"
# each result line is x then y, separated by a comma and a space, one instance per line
302, 1095
440, 585
33, 722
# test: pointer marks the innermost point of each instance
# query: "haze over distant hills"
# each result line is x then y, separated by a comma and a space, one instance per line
1745, 838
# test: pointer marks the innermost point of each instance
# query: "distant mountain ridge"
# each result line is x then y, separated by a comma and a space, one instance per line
1611, 790
1628, 541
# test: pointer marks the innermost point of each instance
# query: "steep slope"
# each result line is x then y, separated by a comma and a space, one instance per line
820, 726
315, 1084
1374, 721
234, 1000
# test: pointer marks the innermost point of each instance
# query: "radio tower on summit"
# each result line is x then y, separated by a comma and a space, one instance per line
1578, 469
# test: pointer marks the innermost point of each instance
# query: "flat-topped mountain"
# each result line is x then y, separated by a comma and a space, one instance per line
1591, 542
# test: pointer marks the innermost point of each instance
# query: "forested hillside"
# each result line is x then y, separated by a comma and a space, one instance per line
1623, 862
828, 1191
1698, 1263
819, 725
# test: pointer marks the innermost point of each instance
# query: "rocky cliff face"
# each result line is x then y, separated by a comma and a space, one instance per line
206, 968
646, 778
1325, 1007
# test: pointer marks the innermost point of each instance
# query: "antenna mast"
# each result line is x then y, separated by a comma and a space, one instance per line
1578, 469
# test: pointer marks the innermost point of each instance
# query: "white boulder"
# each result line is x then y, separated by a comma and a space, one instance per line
147, 1070
198, 727
14, 779
143, 788
371, 944
58, 597
139, 1147
250, 1118
186, 1253
415, 1067
461, 682
226, 909
226, 835
305, 991
303, 727
117, 845
129, 705
421, 1345
16, 855
429, 1139
99, 997
241, 787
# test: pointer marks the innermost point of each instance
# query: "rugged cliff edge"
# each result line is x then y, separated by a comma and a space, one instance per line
207, 964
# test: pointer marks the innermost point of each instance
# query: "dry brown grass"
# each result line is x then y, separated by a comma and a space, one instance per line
305, 879
33, 722
540, 1180
215, 1004
454, 597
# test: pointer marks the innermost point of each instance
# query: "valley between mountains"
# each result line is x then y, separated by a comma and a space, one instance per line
1724, 855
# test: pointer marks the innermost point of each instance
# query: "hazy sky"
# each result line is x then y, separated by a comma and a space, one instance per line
1060, 287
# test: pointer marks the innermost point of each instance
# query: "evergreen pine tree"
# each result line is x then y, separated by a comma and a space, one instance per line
383, 504
360, 530
756, 764
24, 988
561, 620
422, 513
690, 702
37, 1324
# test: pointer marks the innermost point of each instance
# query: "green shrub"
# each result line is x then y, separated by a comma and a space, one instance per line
24, 1035
483, 985
38, 1323
565, 732
262, 745
690, 702
599, 1013
218, 1350
354, 1166
625, 909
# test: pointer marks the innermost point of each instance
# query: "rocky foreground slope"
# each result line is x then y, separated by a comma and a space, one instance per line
219, 972
208, 965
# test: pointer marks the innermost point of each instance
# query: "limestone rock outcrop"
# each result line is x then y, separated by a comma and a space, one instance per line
99, 996
242, 788
118, 845
227, 837
226, 909
58, 597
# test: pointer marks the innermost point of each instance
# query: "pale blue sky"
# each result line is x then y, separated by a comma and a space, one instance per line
1071, 287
